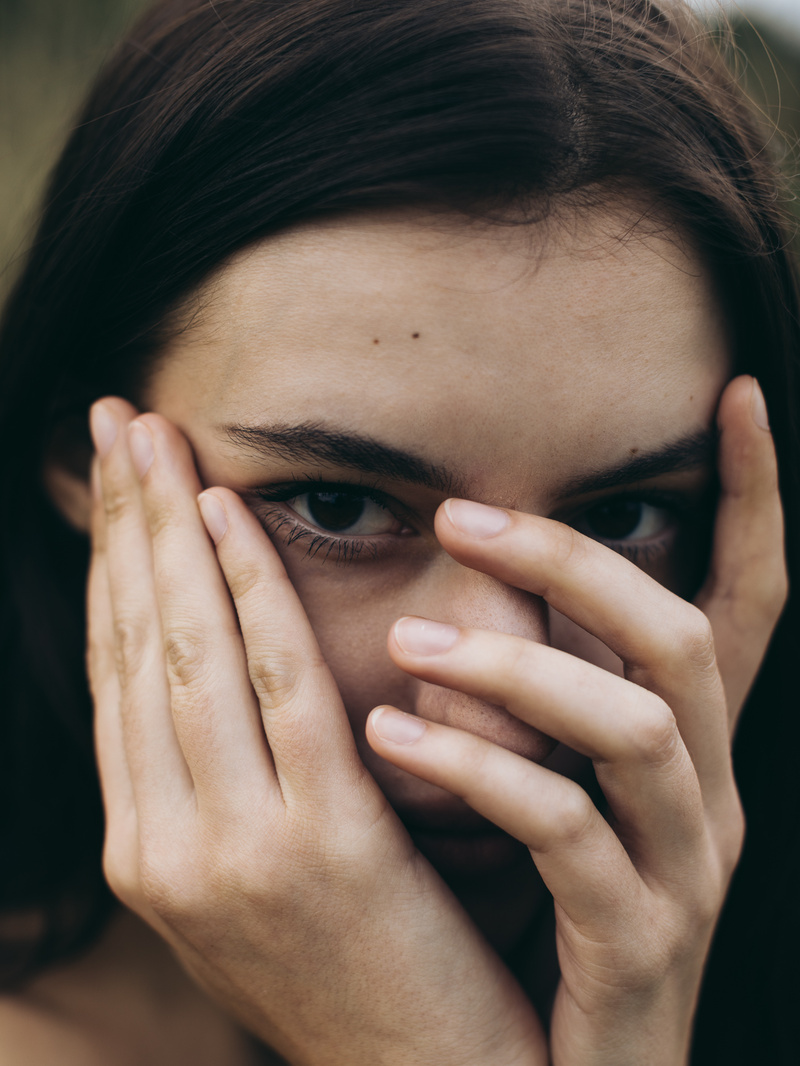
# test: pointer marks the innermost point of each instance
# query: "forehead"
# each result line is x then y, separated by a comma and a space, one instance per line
526, 339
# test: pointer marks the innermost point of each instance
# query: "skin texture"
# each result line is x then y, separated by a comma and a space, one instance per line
524, 375
508, 357
248, 786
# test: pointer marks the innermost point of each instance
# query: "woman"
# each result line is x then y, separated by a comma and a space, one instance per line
459, 304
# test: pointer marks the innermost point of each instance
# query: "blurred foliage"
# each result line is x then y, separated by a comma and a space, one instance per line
768, 64
50, 50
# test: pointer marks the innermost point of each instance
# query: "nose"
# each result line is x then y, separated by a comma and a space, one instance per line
466, 598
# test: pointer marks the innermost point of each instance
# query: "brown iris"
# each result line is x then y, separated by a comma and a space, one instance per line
335, 511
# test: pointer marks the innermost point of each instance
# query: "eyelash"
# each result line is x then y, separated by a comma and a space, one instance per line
343, 549
677, 505
291, 530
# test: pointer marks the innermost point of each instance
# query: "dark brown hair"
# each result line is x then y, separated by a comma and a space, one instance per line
217, 124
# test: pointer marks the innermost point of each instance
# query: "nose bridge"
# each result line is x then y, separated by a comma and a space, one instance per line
468, 598
464, 597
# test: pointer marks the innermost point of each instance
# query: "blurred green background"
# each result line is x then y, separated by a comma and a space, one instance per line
49, 52
50, 49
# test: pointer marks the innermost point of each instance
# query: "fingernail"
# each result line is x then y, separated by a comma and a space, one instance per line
758, 407
397, 727
476, 519
140, 442
418, 636
214, 516
104, 428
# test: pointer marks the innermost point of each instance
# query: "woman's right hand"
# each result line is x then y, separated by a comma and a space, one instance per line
241, 823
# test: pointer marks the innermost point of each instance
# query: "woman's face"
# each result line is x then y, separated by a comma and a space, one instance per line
347, 377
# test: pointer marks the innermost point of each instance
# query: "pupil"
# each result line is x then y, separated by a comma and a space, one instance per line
335, 511
615, 520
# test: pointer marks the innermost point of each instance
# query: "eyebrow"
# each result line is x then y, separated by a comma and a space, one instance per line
691, 452
315, 442
311, 441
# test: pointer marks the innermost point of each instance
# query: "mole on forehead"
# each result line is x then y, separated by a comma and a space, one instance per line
261, 329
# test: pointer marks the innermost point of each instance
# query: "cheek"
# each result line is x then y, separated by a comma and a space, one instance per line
351, 619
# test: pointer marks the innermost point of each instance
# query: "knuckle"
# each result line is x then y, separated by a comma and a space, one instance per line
576, 817
704, 903
650, 967
238, 872
731, 836
653, 733
277, 682
280, 670
117, 502
664, 938
120, 867
643, 966
707, 905
187, 653
121, 881
130, 639
695, 643
170, 885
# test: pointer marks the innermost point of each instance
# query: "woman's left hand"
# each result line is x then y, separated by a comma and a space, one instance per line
637, 892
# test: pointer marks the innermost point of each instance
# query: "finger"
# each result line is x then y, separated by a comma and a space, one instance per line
579, 857
121, 844
159, 774
305, 722
103, 680
666, 644
746, 587
641, 762
214, 708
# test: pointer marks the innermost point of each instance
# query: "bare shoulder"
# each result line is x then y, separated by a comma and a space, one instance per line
124, 1001
36, 1034
31, 1035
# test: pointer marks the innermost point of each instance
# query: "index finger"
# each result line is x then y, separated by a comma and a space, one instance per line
747, 583
665, 643
112, 762
303, 715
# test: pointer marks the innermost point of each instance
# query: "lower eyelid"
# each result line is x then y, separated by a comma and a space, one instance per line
643, 551
667, 516
282, 523
279, 524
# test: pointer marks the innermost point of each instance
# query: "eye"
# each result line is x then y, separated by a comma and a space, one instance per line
344, 512
624, 519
